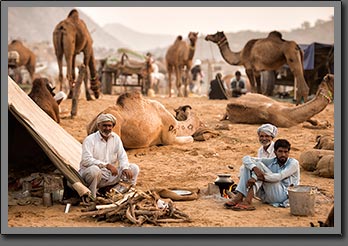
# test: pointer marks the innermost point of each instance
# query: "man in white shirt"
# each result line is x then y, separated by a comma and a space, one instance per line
266, 133
104, 160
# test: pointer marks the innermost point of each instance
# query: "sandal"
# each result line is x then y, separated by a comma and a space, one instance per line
241, 207
230, 204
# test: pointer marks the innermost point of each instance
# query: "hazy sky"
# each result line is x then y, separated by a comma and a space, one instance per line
181, 20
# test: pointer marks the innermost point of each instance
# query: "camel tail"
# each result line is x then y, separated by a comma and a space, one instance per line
58, 40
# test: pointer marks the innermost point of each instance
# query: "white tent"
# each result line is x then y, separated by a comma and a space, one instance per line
60, 147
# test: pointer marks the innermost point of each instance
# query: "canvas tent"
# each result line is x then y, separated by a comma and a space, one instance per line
62, 149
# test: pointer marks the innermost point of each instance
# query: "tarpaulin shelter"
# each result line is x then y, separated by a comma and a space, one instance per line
30, 125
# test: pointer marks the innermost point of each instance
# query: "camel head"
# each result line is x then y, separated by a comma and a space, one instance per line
326, 87
182, 112
217, 38
193, 36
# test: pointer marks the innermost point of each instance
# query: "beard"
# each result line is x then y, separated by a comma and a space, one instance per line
265, 142
105, 133
282, 160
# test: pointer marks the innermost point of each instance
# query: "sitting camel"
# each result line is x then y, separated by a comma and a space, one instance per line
265, 54
43, 97
258, 109
179, 58
319, 161
143, 122
321, 158
325, 142
71, 37
26, 57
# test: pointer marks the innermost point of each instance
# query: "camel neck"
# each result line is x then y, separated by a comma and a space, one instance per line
191, 52
313, 107
230, 57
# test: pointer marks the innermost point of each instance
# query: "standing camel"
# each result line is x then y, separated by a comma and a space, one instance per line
70, 37
26, 57
265, 54
179, 57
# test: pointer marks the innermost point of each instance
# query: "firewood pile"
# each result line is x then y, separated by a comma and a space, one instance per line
137, 207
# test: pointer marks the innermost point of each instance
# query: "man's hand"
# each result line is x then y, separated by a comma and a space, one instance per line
251, 182
260, 175
128, 173
112, 169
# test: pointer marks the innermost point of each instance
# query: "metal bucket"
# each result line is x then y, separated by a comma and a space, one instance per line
302, 200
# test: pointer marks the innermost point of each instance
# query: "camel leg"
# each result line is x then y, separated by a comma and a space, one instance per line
170, 80
252, 79
187, 78
69, 75
60, 68
86, 60
178, 75
294, 60
95, 83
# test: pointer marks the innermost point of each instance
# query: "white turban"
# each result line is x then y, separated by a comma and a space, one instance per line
269, 129
60, 95
106, 117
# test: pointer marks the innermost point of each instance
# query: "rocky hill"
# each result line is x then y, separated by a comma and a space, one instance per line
37, 24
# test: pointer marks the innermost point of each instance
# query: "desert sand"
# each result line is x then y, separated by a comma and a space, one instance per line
193, 166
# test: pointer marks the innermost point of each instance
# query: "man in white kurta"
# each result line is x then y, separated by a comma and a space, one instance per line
104, 160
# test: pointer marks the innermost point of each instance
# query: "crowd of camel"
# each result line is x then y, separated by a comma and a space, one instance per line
71, 37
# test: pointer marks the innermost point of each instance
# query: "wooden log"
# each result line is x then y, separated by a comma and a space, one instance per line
77, 88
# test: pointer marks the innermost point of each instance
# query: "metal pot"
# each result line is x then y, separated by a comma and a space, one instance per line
224, 181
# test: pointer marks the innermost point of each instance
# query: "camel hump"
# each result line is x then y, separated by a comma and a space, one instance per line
16, 41
74, 15
275, 34
121, 100
179, 38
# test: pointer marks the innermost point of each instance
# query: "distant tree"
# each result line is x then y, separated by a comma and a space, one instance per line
305, 25
319, 22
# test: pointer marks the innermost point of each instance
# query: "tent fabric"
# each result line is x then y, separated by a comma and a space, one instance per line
61, 148
309, 53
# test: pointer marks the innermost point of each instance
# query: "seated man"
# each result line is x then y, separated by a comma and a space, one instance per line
217, 88
266, 178
238, 85
104, 160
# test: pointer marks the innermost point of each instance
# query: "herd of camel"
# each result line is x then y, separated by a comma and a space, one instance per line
71, 36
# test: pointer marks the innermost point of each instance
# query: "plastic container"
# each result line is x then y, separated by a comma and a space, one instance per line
302, 200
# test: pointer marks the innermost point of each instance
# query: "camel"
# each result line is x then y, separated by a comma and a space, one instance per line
71, 37
26, 57
319, 161
178, 58
142, 123
265, 54
325, 142
42, 96
254, 108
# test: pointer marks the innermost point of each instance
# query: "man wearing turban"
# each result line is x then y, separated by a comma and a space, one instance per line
266, 133
104, 161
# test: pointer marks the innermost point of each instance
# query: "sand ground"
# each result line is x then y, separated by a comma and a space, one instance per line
193, 166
